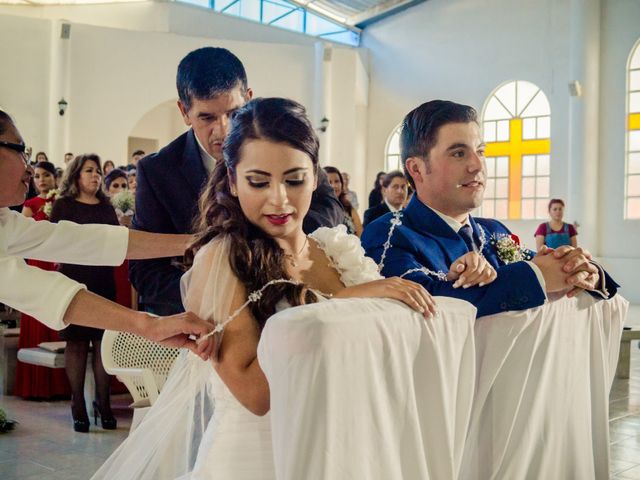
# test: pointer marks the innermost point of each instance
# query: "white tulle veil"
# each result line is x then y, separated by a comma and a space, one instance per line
165, 444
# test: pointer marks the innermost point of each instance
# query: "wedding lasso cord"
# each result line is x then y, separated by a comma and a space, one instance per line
253, 297
396, 220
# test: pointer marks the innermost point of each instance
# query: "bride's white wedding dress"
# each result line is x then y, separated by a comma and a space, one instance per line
197, 429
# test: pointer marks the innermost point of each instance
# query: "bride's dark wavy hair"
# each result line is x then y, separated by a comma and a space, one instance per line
255, 257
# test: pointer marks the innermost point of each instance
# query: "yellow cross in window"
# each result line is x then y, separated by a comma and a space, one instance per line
515, 148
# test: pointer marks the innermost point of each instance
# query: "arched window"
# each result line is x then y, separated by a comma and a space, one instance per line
392, 152
516, 123
632, 174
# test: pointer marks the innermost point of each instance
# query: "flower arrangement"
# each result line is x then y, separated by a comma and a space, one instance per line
509, 249
6, 425
51, 197
124, 203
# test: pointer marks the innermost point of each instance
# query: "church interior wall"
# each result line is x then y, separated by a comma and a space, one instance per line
619, 238
121, 66
23, 84
462, 51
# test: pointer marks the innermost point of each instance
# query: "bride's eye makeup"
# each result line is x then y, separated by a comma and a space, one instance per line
257, 181
293, 179
296, 180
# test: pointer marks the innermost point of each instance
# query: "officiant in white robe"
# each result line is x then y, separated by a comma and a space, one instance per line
59, 300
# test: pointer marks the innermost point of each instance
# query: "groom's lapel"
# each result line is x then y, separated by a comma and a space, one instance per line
488, 250
424, 221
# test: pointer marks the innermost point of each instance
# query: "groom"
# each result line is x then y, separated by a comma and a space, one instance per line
443, 156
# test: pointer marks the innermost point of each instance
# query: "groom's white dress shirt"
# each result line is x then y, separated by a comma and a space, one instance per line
47, 295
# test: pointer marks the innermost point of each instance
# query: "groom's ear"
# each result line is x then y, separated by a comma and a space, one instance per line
413, 166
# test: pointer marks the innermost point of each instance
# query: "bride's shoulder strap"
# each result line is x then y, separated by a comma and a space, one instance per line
209, 285
346, 255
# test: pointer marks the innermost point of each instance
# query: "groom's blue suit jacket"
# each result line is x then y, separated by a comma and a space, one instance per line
425, 240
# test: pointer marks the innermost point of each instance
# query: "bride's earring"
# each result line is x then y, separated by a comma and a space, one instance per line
234, 192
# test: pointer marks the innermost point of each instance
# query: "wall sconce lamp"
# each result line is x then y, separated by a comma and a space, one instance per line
324, 124
62, 106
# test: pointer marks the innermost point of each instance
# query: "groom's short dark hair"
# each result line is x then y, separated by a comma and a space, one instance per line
420, 127
207, 72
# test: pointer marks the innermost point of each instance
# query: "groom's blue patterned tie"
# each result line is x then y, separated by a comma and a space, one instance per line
467, 235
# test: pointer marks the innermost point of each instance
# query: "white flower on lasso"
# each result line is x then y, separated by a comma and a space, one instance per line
255, 296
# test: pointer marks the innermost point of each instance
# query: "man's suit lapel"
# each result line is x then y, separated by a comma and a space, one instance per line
488, 251
191, 165
426, 222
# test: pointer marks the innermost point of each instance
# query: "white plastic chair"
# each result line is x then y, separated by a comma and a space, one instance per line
142, 365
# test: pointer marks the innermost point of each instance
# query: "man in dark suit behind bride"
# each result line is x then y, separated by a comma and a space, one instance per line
212, 85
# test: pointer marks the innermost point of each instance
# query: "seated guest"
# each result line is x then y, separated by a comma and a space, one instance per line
132, 182
556, 233
443, 156
375, 196
59, 174
33, 381
135, 158
115, 182
351, 195
41, 157
107, 167
394, 193
351, 218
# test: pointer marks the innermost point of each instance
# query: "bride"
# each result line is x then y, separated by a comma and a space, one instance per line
211, 419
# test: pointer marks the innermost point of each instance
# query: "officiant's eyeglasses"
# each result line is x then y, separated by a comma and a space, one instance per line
16, 147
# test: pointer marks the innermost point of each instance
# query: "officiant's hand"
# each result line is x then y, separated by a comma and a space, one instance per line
411, 293
471, 269
180, 331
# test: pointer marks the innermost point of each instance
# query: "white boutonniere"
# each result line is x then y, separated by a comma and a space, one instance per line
509, 249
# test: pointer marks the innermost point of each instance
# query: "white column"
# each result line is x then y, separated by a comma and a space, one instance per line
584, 67
322, 97
58, 138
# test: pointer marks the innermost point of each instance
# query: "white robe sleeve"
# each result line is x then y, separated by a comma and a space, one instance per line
41, 294
46, 295
65, 242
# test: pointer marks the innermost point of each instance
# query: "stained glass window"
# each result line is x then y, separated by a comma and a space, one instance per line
392, 152
516, 124
632, 174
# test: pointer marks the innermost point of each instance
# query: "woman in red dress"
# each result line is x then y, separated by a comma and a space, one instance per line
33, 381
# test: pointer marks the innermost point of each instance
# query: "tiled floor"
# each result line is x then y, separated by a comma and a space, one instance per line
624, 415
44, 446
